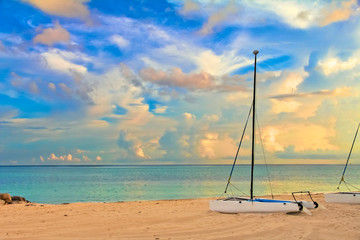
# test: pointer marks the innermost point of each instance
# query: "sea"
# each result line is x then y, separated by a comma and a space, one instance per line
69, 183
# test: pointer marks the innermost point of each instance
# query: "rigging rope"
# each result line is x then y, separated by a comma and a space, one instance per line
347, 161
263, 151
237, 153
346, 184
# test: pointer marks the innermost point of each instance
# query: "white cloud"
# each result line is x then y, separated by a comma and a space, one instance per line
305, 14
333, 65
160, 109
61, 61
120, 41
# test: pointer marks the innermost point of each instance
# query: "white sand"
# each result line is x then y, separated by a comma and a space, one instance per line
174, 219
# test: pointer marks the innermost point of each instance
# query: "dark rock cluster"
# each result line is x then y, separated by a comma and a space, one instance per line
6, 198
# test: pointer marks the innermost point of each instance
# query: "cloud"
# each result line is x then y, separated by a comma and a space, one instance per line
284, 106
303, 137
131, 147
333, 65
160, 109
176, 78
189, 116
68, 8
33, 87
288, 82
24, 83
80, 151
307, 102
333, 13
2, 47
219, 16
216, 146
305, 14
61, 61
120, 41
344, 91
50, 36
189, 6
192, 81
52, 86
68, 158
212, 118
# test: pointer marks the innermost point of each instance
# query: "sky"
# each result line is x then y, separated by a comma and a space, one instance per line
170, 81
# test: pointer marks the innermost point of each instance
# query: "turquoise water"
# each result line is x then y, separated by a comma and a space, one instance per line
64, 184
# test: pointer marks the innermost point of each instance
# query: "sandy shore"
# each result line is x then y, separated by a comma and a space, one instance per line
173, 219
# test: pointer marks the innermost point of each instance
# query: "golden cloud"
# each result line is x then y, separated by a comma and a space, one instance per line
64, 8
53, 35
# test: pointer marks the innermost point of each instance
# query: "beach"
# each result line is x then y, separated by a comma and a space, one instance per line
174, 219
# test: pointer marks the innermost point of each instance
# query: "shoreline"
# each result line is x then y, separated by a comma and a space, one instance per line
174, 219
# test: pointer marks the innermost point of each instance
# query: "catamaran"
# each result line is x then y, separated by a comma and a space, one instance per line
252, 204
351, 197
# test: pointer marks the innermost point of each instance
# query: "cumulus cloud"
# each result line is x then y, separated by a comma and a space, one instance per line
80, 151
333, 65
68, 157
307, 102
214, 146
50, 36
302, 136
131, 147
68, 8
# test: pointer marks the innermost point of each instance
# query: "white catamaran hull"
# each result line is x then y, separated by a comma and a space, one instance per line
248, 206
343, 197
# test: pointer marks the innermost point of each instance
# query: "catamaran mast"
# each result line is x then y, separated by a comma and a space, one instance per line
255, 52
347, 161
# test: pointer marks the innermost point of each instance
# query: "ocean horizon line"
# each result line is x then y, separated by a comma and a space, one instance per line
163, 165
